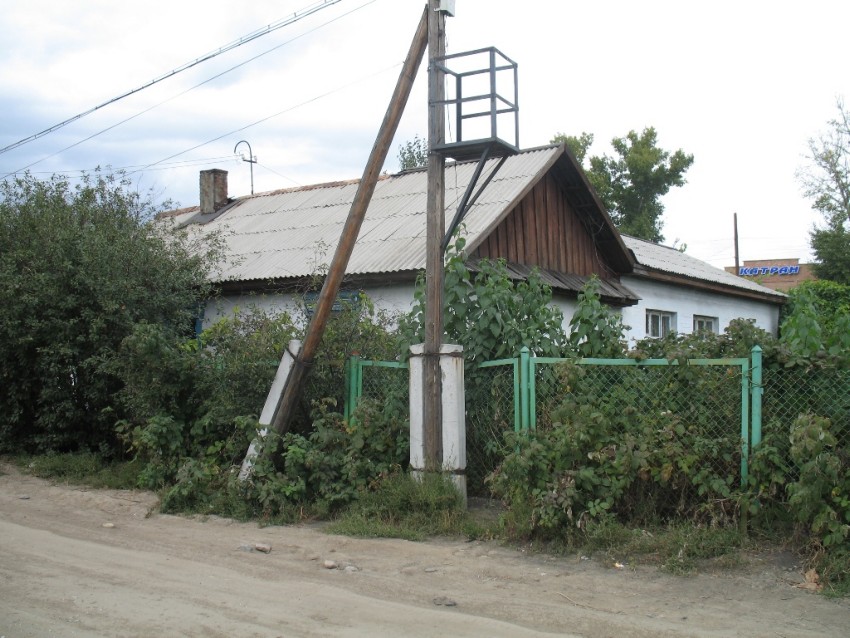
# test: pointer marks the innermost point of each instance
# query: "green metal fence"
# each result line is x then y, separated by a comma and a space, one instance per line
493, 406
383, 381
790, 393
708, 401
719, 404
528, 392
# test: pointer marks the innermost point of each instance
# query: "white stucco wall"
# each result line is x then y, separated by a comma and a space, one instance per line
684, 302
394, 299
687, 302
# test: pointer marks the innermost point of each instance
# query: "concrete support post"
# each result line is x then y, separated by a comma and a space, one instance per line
267, 415
453, 402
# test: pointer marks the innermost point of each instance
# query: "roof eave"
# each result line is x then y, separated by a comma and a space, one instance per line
711, 286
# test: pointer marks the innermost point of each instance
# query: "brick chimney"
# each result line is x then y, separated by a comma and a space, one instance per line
213, 190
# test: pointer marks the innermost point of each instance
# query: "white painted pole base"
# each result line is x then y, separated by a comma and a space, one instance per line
454, 413
279, 383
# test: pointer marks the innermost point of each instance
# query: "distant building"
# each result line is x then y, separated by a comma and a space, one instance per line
777, 274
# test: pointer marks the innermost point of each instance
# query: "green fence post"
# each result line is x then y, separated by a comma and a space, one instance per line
525, 390
517, 397
532, 393
745, 420
758, 391
353, 385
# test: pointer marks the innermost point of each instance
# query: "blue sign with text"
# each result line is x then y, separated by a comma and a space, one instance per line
768, 270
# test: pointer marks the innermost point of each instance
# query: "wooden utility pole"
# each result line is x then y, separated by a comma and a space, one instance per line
737, 262
435, 229
292, 390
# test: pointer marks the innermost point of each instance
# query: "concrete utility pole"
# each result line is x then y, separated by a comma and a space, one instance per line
435, 229
330, 288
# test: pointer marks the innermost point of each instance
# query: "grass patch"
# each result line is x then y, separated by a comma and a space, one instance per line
82, 468
833, 567
678, 549
404, 507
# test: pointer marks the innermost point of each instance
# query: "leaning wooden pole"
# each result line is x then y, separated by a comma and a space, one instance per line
330, 289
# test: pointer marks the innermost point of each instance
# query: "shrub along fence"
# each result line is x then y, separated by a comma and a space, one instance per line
707, 413
702, 405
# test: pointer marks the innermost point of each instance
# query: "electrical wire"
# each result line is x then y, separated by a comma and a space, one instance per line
182, 93
269, 117
298, 15
271, 170
170, 165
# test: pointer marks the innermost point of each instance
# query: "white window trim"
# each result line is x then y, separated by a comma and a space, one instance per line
715, 324
663, 317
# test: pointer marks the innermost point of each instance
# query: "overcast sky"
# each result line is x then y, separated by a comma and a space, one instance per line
740, 85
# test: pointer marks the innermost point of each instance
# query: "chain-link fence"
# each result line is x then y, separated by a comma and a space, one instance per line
695, 415
492, 408
679, 435
385, 382
791, 393
686, 424
697, 412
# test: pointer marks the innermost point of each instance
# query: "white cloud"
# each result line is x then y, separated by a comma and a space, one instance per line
742, 86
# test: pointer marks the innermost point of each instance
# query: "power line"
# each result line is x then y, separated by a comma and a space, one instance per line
192, 88
164, 163
167, 166
269, 117
271, 170
298, 15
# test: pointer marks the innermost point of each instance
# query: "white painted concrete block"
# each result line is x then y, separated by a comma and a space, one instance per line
287, 361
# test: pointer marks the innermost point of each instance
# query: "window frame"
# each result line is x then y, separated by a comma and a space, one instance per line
661, 316
715, 324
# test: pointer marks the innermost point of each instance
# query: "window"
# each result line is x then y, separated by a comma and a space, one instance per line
705, 324
660, 323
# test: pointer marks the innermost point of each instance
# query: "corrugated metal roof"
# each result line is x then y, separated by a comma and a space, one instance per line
670, 260
294, 232
291, 233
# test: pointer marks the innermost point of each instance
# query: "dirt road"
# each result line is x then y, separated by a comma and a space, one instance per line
79, 562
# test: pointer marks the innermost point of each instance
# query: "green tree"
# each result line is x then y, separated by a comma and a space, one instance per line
413, 153
80, 266
578, 145
632, 182
826, 181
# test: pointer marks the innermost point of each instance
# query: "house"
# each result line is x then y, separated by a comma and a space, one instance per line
683, 294
538, 211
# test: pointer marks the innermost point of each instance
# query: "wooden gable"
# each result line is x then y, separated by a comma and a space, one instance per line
545, 230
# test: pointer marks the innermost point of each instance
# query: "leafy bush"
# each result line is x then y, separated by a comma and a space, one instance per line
737, 341
189, 399
80, 267
808, 470
319, 472
491, 315
603, 457
595, 329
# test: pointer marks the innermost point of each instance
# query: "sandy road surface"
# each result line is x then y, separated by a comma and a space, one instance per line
62, 573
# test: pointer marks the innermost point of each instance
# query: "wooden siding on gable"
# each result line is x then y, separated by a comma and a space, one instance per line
544, 230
